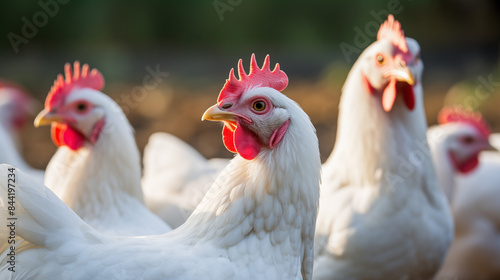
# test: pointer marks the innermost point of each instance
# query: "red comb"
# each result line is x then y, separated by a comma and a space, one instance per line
258, 77
78, 79
458, 115
391, 29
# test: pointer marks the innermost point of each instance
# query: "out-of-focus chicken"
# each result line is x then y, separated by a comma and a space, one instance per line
256, 222
455, 145
15, 108
471, 179
96, 169
382, 213
176, 177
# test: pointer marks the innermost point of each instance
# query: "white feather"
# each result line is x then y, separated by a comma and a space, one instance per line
176, 177
222, 239
9, 142
382, 214
101, 181
475, 251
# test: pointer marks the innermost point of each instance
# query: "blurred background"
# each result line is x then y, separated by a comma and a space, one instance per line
192, 45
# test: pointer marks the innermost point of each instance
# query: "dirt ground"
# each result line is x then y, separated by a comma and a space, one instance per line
177, 110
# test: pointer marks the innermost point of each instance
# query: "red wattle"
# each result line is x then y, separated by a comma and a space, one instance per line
465, 166
228, 138
57, 134
246, 142
243, 141
389, 95
408, 96
65, 135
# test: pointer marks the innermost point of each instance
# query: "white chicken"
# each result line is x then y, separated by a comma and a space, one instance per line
471, 178
455, 145
382, 213
15, 107
176, 177
96, 170
256, 222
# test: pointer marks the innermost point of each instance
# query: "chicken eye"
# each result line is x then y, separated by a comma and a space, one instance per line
81, 107
380, 58
468, 140
259, 105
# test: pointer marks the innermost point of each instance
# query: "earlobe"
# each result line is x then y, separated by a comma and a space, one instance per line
228, 139
278, 134
96, 131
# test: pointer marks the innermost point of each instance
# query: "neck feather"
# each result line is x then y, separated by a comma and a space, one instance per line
94, 179
277, 190
374, 146
441, 159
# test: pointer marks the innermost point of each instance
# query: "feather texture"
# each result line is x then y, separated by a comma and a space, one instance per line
176, 177
96, 170
382, 214
256, 222
101, 181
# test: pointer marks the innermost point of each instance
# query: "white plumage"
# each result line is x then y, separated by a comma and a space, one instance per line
382, 214
256, 221
15, 106
176, 177
100, 180
456, 144
475, 251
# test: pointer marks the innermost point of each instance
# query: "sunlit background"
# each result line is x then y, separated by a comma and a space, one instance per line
194, 44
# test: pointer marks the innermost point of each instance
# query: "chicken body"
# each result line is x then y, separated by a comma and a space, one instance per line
176, 177
100, 177
475, 252
473, 196
382, 213
256, 222
15, 106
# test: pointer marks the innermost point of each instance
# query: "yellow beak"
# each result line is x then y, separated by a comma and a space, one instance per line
214, 113
46, 117
403, 75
